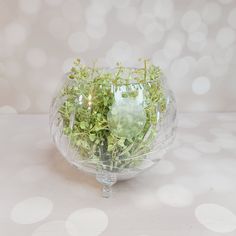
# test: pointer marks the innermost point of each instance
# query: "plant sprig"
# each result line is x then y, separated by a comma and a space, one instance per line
110, 116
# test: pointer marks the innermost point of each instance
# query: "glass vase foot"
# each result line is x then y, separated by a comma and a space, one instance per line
107, 179
106, 191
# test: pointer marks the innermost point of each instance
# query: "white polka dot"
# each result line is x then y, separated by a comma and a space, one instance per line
223, 56
95, 19
197, 37
216, 182
33, 173
30, 6
36, 57
96, 32
146, 201
219, 70
232, 18
54, 3
78, 42
51, 228
87, 222
211, 12
22, 102
191, 20
179, 68
58, 27
225, 37
31, 210
204, 64
127, 16
197, 42
175, 195
201, 85
190, 182
72, 10
143, 21
221, 133
7, 110
226, 142
191, 62
159, 59
169, 24
226, 117
96, 12
199, 106
227, 165
225, 1
186, 153
15, 33
216, 218
187, 123
154, 33
13, 68
172, 48
164, 167
164, 8
207, 147
120, 52
229, 126
120, 3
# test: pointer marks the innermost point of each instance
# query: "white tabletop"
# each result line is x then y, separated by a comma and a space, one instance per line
192, 192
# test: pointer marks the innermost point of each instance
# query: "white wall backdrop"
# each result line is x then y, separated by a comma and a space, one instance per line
194, 42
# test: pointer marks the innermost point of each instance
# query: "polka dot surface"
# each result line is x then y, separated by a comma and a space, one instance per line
164, 8
33, 173
30, 6
36, 57
121, 51
15, 33
207, 147
154, 33
191, 20
201, 85
179, 68
175, 195
78, 42
57, 228
216, 218
31, 210
211, 12
185, 153
128, 15
54, 3
80, 222
7, 110
232, 18
37, 36
225, 37
165, 167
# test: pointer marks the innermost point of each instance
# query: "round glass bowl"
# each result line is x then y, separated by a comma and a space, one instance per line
113, 123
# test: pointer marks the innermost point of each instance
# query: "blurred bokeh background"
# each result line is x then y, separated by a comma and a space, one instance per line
194, 42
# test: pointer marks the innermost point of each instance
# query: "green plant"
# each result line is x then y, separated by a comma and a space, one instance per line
110, 116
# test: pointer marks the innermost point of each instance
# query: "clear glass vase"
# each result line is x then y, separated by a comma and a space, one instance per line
113, 128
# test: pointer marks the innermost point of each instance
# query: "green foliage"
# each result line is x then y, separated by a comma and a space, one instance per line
110, 117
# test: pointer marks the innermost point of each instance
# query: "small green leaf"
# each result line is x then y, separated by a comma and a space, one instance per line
83, 125
121, 142
92, 137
